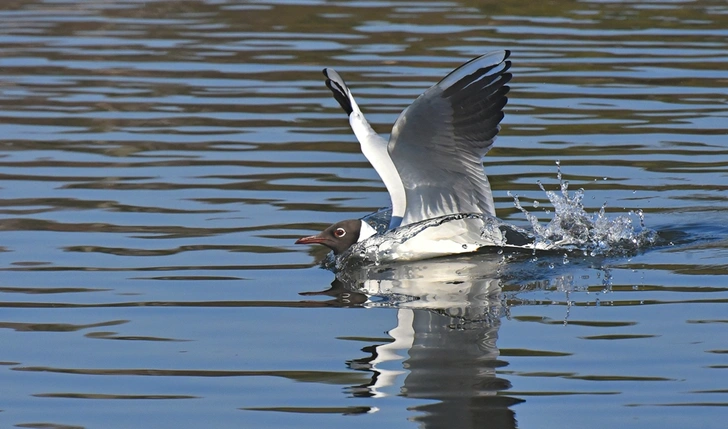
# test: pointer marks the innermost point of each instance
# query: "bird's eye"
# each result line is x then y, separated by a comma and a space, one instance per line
340, 232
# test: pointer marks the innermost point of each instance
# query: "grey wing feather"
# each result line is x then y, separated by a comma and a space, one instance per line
437, 143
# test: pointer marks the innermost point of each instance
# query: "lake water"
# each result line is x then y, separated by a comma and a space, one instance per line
159, 159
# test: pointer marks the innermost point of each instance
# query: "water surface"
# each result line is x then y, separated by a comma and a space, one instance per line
160, 158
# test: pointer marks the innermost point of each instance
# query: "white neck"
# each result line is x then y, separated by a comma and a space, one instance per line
366, 231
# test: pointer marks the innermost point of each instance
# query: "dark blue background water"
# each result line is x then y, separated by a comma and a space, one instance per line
159, 159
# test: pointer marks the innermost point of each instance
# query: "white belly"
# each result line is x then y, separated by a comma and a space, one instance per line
431, 239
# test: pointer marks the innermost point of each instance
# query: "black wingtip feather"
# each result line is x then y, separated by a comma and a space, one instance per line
480, 78
490, 91
339, 92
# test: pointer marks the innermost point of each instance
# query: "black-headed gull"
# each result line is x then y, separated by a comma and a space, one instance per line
432, 164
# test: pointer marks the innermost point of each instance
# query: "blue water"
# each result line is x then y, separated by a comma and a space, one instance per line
159, 159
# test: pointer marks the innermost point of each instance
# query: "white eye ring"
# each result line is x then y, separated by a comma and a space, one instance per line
340, 232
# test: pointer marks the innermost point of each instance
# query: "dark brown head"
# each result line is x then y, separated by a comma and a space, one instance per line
339, 236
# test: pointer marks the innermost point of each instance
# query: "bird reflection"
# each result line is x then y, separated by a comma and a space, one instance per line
448, 315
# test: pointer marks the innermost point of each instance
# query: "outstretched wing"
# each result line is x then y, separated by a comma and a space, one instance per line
437, 143
373, 146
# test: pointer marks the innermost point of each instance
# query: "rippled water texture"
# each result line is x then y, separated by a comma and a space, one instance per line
159, 159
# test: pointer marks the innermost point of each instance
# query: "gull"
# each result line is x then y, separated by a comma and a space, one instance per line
432, 163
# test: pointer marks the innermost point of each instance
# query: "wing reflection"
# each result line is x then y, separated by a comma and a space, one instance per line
444, 345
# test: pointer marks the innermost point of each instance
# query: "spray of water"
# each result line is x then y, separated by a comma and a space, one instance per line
393, 245
572, 228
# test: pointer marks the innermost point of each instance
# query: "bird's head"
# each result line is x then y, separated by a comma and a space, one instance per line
341, 235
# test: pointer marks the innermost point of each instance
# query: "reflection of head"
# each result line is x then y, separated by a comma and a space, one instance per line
342, 295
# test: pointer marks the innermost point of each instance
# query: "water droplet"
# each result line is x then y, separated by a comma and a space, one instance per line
465, 246
551, 266
500, 251
635, 287
535, 204
605, 178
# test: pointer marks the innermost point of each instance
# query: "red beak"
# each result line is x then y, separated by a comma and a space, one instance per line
314, 239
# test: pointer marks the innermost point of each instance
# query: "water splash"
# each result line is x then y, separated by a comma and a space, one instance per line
470, 232
572, 228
